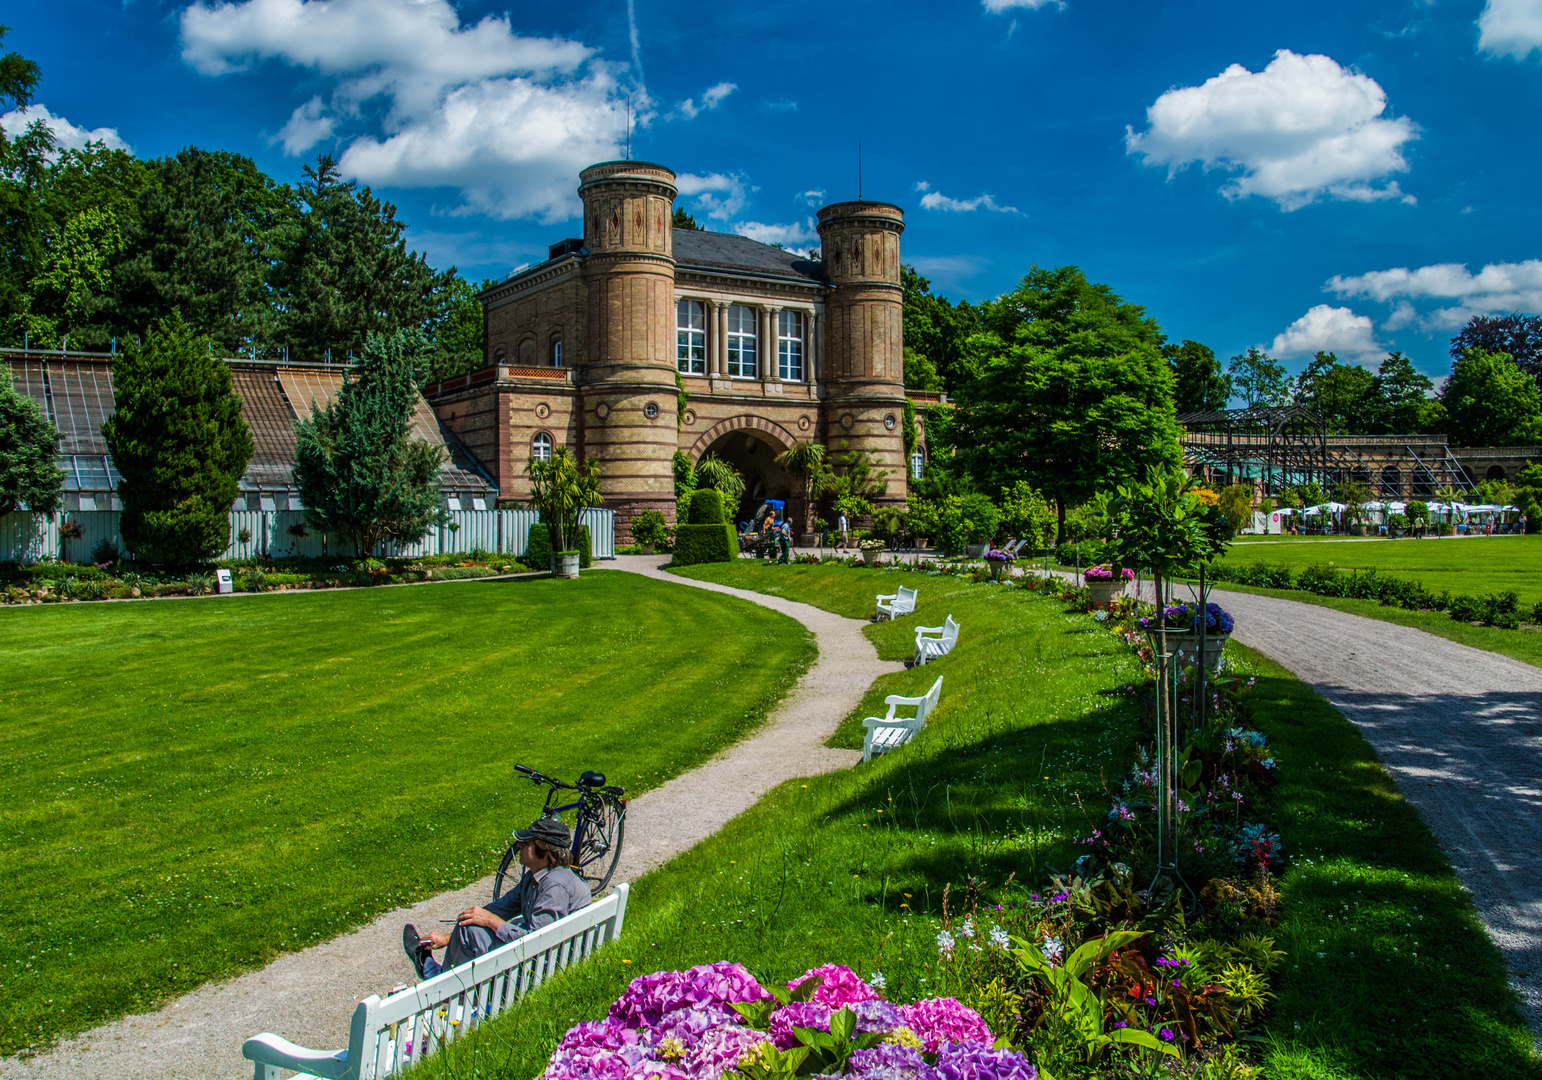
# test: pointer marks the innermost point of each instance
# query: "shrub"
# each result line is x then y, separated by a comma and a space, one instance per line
650, 528
1536, 612
1320, 579
1501, 610
585, 548
1464, 608
459, 573
706, 508
538, 552
705, 543
106, 551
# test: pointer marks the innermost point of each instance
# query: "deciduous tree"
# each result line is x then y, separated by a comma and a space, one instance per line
179, 442
1069, 391
1517, 336
359, 470
1199, 385
28, 447
1340, 394
1258, 378
1492, 402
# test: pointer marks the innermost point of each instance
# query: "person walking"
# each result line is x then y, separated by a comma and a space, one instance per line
842, 527
784, 540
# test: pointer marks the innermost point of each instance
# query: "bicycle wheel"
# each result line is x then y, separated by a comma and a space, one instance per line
600, 849
508, 872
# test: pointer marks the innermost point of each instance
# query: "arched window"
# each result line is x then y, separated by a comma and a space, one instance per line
789, 346
741, 343
540, 447
917, 464
500, 355
1496, 472
527, 352
1391, 482
556, 350
690, 338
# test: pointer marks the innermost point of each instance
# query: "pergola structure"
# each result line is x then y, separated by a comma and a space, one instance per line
1277, 446
1280, 447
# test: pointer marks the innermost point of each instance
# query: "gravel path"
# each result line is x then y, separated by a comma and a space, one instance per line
309, 996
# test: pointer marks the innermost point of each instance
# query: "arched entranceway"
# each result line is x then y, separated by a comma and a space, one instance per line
750, 445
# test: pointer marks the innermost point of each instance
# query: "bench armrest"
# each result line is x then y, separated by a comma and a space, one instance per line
888, 596
929, 630
269, 1049
895, 699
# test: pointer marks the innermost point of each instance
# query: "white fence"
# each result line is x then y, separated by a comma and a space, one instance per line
27, 537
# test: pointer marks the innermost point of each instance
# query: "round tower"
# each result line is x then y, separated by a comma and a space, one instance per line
864, 369
628, 388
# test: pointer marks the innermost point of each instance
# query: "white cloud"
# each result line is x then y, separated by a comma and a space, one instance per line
716, 195
709, 100
508, 119
1498, 287
936, 200
1304, 128
814, 198
1331, 329
67, 136
797, 235
1510, 27
998, 6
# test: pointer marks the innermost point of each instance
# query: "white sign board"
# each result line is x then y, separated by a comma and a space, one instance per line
225, 584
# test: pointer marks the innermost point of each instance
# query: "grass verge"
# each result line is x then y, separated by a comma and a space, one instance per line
212, 783
850, 867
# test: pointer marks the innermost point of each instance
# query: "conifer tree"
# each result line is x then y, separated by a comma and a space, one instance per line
179, 443
348, 273
28, 446
359, 470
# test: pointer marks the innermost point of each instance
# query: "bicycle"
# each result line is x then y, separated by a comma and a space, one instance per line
597, 834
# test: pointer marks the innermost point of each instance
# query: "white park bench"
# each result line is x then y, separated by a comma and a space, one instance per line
892, 605
391, 1034
929, 648
891, 732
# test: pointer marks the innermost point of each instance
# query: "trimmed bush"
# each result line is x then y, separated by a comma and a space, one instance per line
538, 551
585, 548
707, 508
705, 543
1464, 608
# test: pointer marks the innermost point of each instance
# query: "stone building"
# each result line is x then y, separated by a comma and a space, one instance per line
639, 339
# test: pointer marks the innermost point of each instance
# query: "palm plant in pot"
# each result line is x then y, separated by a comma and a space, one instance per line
560, 487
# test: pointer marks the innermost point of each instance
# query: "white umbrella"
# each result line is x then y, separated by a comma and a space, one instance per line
1335, 507
1285, 511
1311, 511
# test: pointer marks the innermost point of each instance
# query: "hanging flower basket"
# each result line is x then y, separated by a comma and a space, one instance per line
999, 563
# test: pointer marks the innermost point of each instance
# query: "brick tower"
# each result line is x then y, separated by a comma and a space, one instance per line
864, 334
628, 392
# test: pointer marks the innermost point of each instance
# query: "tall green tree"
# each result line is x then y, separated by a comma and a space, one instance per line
29, 445
1258, 378
1404, 400
1492, 402
1341, 394
1517, 336
457, 329
684, 220
74, 283
1069, 391
936, 332
358, 468
348, 273
200, 250
23, 166
1199, 385
179, 443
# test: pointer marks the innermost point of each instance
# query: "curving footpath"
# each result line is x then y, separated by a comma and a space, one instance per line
1460, 729
309, 996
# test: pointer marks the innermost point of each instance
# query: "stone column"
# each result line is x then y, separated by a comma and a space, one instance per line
808, 347
709, 327
773, 371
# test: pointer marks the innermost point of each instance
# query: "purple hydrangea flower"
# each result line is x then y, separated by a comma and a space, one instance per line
979, 1061
890, 1062
806, 1014
940, 1020
649, 997
839, 986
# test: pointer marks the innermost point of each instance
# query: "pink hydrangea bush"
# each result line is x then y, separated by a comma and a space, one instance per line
681, 1025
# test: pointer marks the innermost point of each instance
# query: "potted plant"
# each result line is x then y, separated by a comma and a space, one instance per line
68, 530
560, 487
650, 530
1105, 583
999, 563
1397, 524
1218, 627
870, 549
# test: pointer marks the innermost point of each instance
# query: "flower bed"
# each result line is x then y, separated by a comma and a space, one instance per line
717, 1019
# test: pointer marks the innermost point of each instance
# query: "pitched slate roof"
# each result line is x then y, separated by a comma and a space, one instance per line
740, 254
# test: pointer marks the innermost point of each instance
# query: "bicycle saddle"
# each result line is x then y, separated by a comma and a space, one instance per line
592, 780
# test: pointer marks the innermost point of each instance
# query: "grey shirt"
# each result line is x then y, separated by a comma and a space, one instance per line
540, 899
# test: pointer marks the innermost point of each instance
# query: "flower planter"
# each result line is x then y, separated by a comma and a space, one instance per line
870, 555
647, 549
1188, 652
976, 551
1103, 592
565, 564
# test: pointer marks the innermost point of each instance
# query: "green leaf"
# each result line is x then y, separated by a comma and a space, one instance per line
843, 1025
1144, 1039
805, 989
757, 1014
1192, 771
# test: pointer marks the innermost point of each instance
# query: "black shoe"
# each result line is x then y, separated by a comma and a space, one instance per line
417, 952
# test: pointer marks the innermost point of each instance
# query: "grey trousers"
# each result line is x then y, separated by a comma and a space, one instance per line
466, 944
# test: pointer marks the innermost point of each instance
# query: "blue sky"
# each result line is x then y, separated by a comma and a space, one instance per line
1356, 177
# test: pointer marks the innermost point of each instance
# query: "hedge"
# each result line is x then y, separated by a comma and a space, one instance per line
705, 543
538, 551
707, 507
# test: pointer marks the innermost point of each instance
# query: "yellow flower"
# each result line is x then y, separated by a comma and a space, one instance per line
626, 961
903, 1036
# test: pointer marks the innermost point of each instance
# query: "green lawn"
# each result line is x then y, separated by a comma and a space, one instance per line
191, 788
1033, 716
1476, 566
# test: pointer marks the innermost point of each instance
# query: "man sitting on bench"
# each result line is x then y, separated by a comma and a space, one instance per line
547, 890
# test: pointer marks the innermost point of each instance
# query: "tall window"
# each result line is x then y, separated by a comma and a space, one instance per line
917, 463
556, 350
540, 447
690, 337
741, 343
789, 346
